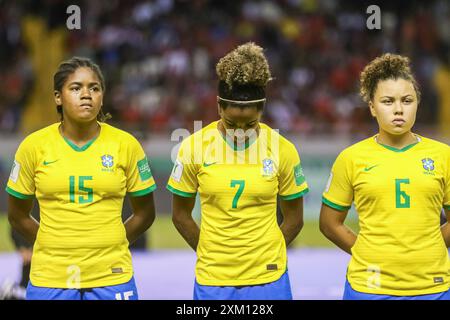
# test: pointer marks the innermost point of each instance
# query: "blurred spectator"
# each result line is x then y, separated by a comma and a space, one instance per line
159, 57
442, 83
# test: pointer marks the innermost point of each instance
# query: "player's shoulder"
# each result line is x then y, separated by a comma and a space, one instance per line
117, 134
204, 136
38, 138
360, 148
434, 144
284, 143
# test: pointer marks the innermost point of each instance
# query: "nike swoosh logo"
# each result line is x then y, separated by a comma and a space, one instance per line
370, 168
49, 162
208, 164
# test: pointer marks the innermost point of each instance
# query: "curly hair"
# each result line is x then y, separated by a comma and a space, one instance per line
243, 73
244, 65
387, 66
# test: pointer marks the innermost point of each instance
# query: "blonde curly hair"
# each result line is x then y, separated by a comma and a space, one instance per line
244, 65
387, 66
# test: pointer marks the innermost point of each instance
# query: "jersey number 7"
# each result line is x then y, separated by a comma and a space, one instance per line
241, 184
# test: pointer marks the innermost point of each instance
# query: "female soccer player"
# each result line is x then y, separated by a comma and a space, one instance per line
399, 182
239, 166
79, 170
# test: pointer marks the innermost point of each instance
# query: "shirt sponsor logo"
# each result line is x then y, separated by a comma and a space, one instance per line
144, 169
177, 171
15, 172
327, 188
438, 280
272, 267
298, 174
46, 163
116, 270
366, 169
208, 164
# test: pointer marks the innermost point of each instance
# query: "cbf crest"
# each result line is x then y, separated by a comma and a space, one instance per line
267, 167
428, 164
107, 162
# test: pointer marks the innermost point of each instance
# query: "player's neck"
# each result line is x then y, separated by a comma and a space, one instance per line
223, 132
79, 133
396, 141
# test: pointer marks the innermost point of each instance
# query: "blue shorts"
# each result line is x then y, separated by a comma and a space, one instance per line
277, 290
125, 291
351, 294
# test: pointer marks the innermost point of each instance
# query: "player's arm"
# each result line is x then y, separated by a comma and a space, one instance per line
292, 211
292, 186
142, 218
19, 216
445, 228
332, 226
183, 221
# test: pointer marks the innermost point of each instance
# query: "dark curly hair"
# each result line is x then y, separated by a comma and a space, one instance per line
243, 74
387, 66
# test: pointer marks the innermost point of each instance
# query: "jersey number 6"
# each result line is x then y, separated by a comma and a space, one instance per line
402, 200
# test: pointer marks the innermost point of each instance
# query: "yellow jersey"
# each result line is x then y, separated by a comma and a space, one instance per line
398, 195
240, 241
81, 242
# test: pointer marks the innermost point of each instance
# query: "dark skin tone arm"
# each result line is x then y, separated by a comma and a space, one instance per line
292, 211
19, 216
183, 221
142, 218
20, 219
445, 229
333, 227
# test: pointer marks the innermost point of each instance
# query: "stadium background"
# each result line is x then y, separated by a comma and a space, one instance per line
159, 57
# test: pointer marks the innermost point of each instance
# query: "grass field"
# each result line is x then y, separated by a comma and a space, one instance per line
163, 235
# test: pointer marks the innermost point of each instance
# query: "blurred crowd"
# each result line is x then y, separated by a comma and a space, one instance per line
159, 57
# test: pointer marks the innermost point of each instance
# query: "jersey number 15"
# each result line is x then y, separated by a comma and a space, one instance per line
85, 195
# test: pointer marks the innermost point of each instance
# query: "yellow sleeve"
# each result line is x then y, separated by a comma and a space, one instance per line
183, 179
21, 180
291, 180
338, 193
139, 175
446, 203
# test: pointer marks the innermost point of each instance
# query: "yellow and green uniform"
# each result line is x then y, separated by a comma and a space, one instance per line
81, 242
240, 241
398, 195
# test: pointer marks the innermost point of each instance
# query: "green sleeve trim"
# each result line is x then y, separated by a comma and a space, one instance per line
18, 194
447, 207
295, 195
141, 193
334, 205
180, 193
